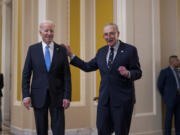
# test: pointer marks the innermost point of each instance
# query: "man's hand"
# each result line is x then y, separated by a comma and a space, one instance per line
68, 49
66, 103
123, 71
27, 102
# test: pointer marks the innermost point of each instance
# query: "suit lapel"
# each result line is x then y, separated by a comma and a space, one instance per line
120, 51
55, 51
171, 72
41, 57
104, 55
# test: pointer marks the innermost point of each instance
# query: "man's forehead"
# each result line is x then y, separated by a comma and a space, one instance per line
45, 25
109, 28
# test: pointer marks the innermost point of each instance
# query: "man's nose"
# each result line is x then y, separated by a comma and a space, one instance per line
49, 32
108, 35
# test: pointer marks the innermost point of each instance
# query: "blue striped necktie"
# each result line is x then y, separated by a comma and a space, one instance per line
47, 58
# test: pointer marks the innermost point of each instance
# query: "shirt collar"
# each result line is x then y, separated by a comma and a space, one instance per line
51, 44
116, 46
172, 68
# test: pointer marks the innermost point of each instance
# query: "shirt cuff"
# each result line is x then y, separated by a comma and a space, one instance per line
129, 75
72, 57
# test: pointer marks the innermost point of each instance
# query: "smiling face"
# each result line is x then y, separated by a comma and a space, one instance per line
111, 35
174, 62
47, 32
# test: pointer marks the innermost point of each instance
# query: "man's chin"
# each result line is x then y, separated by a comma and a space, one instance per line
49, 41
110, 44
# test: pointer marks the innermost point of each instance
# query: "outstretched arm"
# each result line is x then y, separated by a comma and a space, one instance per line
85, 66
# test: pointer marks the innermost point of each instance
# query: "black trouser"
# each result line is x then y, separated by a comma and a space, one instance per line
114, 119
171, 111
57, 119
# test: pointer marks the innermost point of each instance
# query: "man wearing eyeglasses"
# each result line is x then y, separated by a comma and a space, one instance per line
119, 67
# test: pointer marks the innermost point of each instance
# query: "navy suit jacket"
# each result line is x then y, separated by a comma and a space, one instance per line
1, 84
167, 86
57, 80
119, 89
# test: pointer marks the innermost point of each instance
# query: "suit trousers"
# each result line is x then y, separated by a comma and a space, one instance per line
173, 110
57, 119
0, 113
114, 119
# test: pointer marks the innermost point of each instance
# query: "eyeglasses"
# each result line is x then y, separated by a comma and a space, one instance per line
110, 34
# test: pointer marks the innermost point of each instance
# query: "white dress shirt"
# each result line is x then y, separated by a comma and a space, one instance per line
175, 75
51, 48
116, 46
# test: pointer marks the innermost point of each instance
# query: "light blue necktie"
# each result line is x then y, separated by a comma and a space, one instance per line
47, 58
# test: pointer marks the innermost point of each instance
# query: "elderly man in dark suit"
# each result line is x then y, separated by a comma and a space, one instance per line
48, 65
1, 87
169, 88
119, 67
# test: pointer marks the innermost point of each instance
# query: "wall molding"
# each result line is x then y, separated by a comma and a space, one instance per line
6, 59
155, 43
42, 8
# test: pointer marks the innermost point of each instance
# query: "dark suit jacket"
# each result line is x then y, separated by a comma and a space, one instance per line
57, 80
119, 89
1, 83
167, 86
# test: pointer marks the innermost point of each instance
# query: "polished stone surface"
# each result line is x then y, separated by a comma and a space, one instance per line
5, 131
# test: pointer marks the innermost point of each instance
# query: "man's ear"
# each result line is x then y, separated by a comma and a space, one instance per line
118, 33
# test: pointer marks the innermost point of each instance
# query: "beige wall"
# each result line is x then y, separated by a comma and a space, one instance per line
21, 118
169, 30
143, 30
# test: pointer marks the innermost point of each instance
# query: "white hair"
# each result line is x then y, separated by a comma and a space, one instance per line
46, 22
112, 24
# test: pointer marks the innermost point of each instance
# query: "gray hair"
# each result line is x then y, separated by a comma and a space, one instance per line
112, 24
46, 22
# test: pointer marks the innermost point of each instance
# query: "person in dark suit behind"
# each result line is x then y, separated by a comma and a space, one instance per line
1, 87
47, 63
119, 67
169, 88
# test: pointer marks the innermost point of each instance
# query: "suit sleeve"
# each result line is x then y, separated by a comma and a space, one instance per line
67, 79
161, 82
134, 68
85, 66
1, 81
26, 75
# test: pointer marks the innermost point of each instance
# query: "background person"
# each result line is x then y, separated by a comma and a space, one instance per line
169, 88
